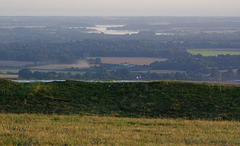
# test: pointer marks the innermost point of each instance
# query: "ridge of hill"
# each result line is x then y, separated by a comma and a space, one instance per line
154, 99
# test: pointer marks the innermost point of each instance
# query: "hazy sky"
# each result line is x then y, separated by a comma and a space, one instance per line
120, 7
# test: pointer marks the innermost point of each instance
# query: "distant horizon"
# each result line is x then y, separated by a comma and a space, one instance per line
121, 8
107, 16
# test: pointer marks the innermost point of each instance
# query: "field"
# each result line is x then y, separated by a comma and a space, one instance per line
8, 76
25, 129
130, 60
214, 52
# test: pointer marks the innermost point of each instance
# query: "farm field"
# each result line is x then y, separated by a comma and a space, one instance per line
38, 129
214, 52
130, 60
8, 76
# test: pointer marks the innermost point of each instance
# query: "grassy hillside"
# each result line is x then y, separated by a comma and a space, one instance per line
155, 99
41, 129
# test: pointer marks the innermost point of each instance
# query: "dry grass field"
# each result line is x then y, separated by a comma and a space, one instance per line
27, 129
130, 60
8, 76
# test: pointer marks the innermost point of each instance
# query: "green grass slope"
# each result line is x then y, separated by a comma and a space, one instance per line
155, 99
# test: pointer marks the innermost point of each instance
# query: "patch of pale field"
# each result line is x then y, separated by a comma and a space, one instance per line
14, 63
33, 129
161, 71
8, 76
130, 60
79, 64
234, 70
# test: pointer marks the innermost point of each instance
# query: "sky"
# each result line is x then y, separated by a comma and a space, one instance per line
119, 7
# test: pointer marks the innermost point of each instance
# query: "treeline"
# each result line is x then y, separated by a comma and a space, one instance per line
124, 74
69, 52
28, 74
195, 62
101, 73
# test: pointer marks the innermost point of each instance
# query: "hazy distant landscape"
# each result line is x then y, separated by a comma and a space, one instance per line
119, 80
191, 48
120, 72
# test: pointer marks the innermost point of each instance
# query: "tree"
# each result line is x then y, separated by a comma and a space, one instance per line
25, 73
124, 73
238, 71
215, 74
88, 75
